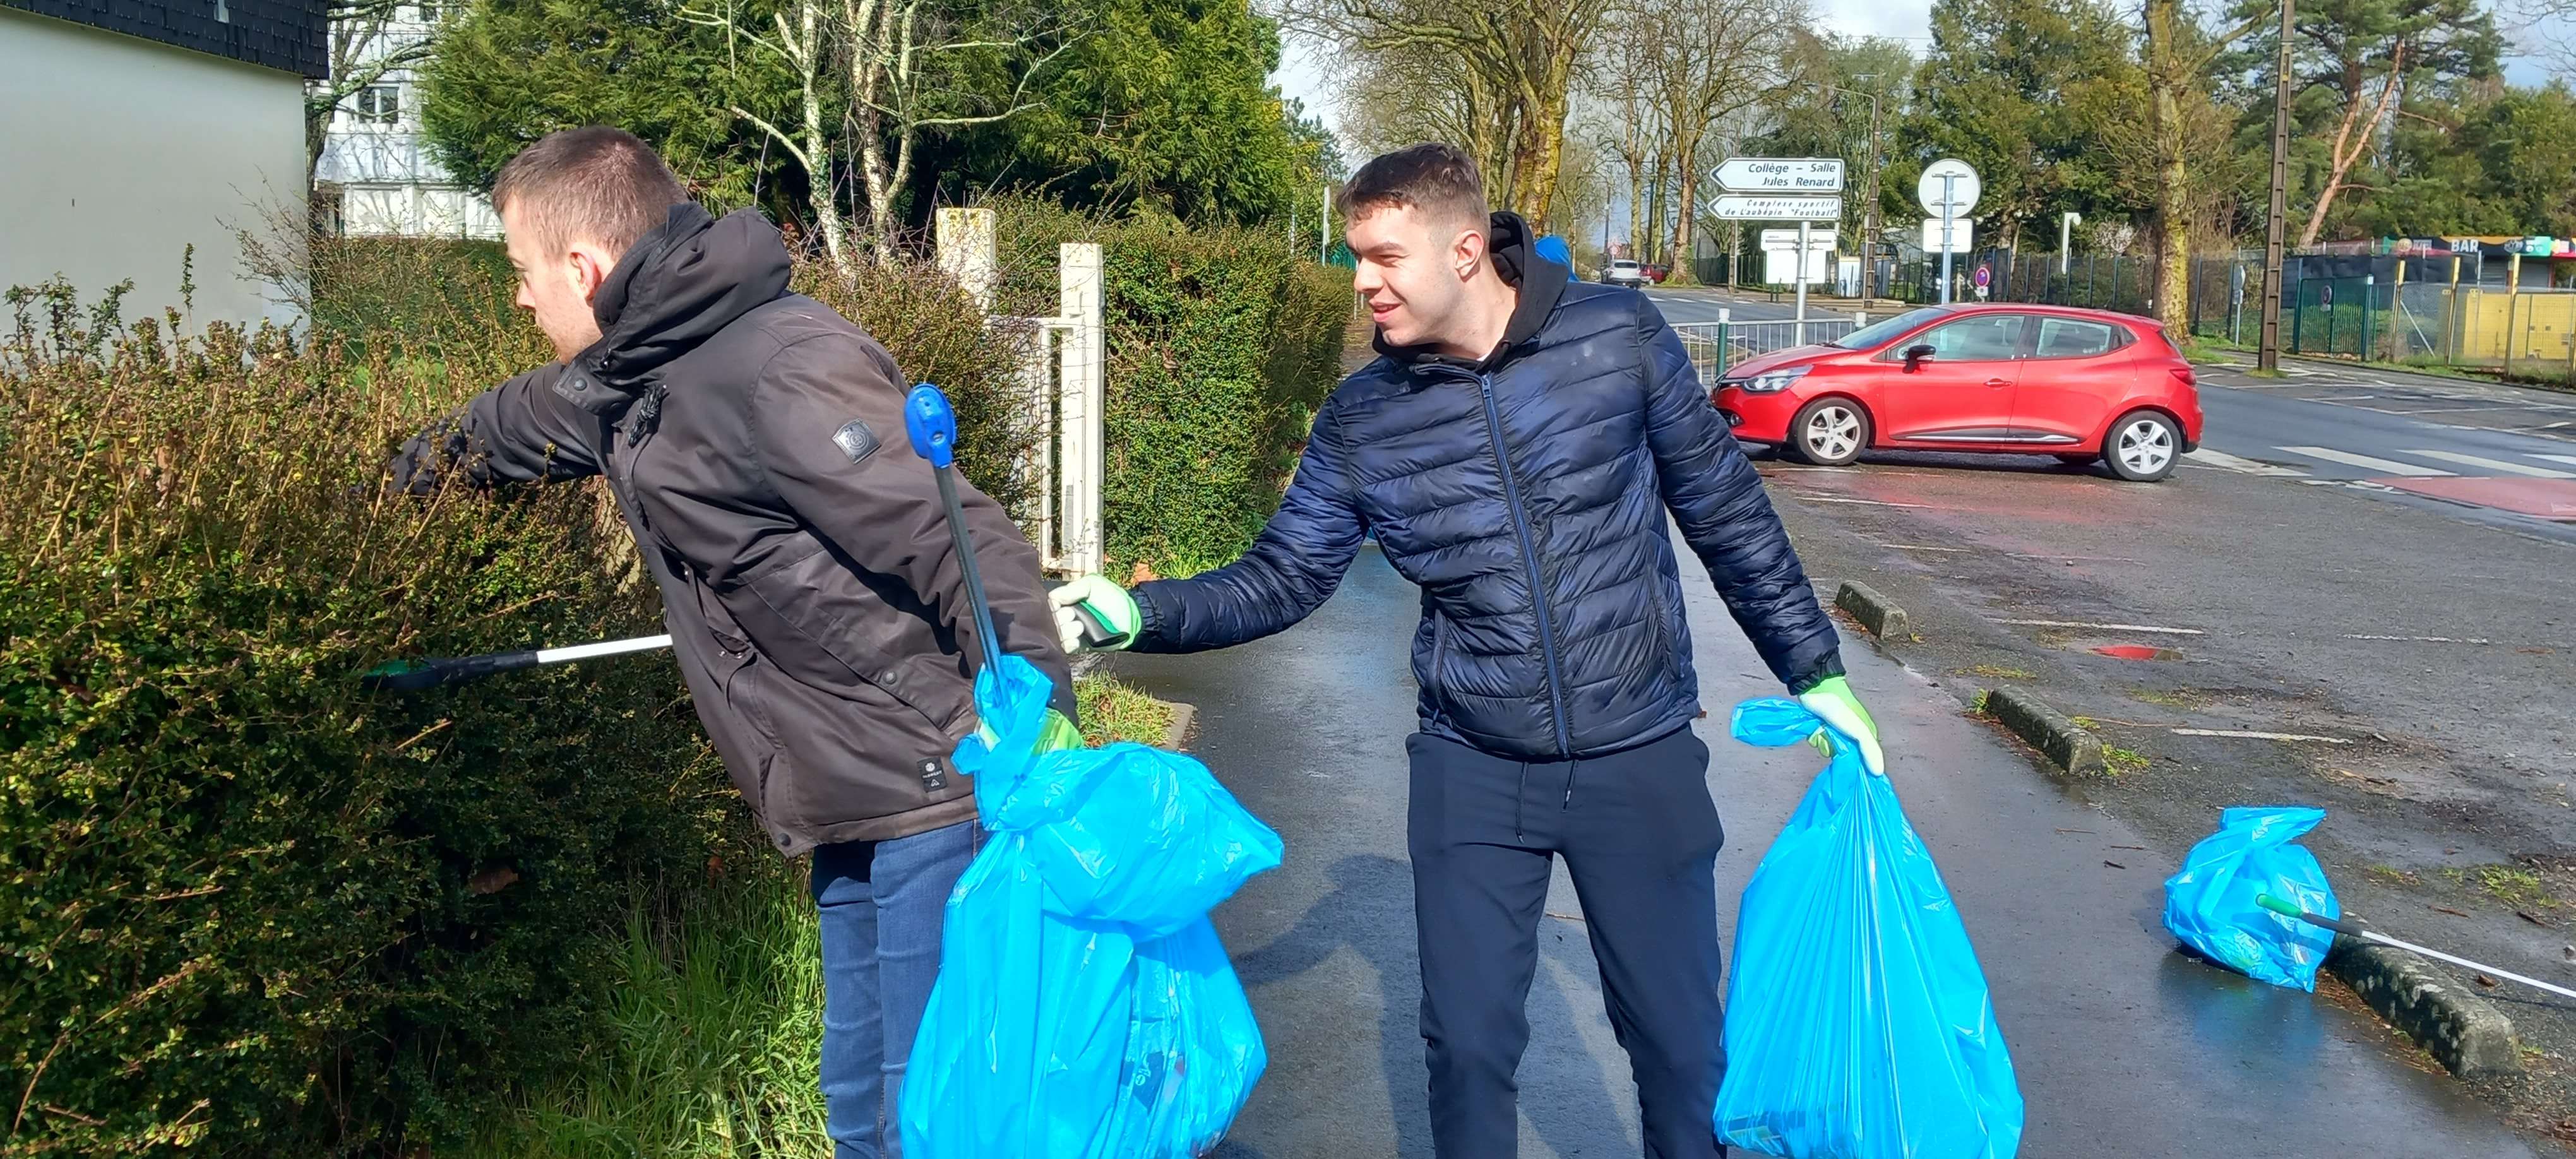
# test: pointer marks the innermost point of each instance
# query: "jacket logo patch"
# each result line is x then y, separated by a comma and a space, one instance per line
934, 776
855, 440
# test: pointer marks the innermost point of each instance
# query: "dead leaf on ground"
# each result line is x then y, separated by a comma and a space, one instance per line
2489, 983
2443, 909
2114, 864
2529, 916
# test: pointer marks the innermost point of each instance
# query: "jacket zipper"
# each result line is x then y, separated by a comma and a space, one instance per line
1529, 556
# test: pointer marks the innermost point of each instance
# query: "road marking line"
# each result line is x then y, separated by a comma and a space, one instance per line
2078, 558
2226, 462
2571, 459
2427, 639
2365, 462
1921, 547
2243, 734
2491, 464
1863, 502
2104, 627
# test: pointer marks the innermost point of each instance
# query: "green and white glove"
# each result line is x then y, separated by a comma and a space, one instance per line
1833, 701
1057, 733
1095, 615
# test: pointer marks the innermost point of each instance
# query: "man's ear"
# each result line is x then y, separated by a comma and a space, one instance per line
591, 264
1467, 254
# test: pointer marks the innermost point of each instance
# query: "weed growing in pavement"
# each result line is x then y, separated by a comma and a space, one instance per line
2390, 874
1997, 672
2516, 887
1977, 703
2120, 760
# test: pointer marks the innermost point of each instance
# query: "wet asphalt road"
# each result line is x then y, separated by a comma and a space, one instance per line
2125, 1048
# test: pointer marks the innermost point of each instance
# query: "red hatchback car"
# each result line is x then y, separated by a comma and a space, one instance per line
2082, 385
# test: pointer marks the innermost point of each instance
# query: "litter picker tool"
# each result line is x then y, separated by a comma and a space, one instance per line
414, 675
2352, 929
932, 424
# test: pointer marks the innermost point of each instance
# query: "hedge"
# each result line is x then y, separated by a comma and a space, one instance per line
246, 908
1221, 343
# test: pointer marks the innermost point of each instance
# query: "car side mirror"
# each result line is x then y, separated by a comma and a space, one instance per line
1914, 356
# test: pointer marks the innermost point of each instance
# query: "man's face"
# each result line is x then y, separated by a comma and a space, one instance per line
556, 281
1413, 269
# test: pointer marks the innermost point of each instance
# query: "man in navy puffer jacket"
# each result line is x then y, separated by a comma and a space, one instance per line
1515, 450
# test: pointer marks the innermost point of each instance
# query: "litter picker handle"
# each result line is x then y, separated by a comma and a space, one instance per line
1096, 632
932, 425
416, 675
2290, 909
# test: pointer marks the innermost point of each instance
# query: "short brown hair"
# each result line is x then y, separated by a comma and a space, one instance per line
1434, 177
597, 183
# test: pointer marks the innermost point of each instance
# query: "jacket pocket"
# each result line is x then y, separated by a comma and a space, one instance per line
827, 627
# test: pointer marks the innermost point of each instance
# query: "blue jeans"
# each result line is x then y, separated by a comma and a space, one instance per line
881, 903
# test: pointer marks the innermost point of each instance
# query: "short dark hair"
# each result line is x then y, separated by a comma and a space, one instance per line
598, 183
1434, 177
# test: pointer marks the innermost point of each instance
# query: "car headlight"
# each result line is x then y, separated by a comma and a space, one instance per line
1769, 382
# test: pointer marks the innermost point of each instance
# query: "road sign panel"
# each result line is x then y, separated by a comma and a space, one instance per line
1787, 239
1962, 235
1781, 174
1963, 185
1760, 207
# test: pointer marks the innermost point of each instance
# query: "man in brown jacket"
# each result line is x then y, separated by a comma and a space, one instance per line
754, 440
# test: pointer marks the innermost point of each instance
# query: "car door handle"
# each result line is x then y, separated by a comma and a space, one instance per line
1999, 382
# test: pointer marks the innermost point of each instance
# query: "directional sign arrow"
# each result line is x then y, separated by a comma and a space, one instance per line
1781, 174
1756, 207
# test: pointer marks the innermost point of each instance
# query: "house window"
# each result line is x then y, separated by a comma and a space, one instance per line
377, 105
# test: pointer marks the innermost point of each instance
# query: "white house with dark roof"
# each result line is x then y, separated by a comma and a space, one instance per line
373, 157
132, 130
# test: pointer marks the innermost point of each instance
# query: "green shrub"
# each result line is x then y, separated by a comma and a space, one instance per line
1220, 345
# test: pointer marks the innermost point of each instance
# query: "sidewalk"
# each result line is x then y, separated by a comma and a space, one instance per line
2126, 1049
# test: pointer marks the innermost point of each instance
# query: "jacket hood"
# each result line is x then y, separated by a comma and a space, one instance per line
1516, 258
675, 288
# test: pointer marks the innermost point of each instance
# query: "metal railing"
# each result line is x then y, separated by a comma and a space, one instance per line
1715, 346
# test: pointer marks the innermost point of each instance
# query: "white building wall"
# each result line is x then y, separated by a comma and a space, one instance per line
388, 182
116, 154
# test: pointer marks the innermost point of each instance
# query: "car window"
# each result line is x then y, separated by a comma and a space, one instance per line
2075, 338
1982, 338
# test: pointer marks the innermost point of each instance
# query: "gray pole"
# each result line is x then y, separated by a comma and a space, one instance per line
2268, 353
1800, 338
1324, 231
1948, 202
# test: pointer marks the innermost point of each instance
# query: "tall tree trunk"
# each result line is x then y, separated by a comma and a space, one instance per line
2353, 137
2166, 78
1535, 150
1685, 201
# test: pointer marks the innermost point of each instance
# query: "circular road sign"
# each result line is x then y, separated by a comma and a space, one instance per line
1964, 187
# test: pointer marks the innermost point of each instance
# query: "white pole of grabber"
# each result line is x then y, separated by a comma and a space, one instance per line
1800, 338
604, 648
1948, 181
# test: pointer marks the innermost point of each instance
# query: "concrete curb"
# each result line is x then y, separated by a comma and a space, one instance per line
2066, 745
2463, 1031
1883, 619
1183, 716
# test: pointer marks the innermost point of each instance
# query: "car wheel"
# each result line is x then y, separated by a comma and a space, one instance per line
2142, 447
1829, 432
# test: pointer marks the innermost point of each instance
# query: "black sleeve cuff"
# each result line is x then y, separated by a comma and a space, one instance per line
1831, 667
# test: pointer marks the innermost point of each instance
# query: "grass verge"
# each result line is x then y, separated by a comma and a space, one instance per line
712, 1015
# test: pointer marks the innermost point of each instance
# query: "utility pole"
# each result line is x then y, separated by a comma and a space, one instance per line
1869, 210
1324, 234
2268, 355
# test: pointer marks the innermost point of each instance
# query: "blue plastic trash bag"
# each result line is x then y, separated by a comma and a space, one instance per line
1084, 1006
2210, 903
1857, 1022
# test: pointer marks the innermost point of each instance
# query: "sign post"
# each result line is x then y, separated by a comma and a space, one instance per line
1800, 189
1949, 189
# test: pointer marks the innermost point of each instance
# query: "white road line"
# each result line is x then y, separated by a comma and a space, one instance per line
1863, 502
2242, 734
2105, 627
2365, 462
2492, 464
2571, 459
2223, 461
1921, 547
2427, 639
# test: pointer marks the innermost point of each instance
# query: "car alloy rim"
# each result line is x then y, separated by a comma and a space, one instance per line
1833, 432
2146, 446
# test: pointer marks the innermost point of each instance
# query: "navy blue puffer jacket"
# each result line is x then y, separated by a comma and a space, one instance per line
1526, 495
